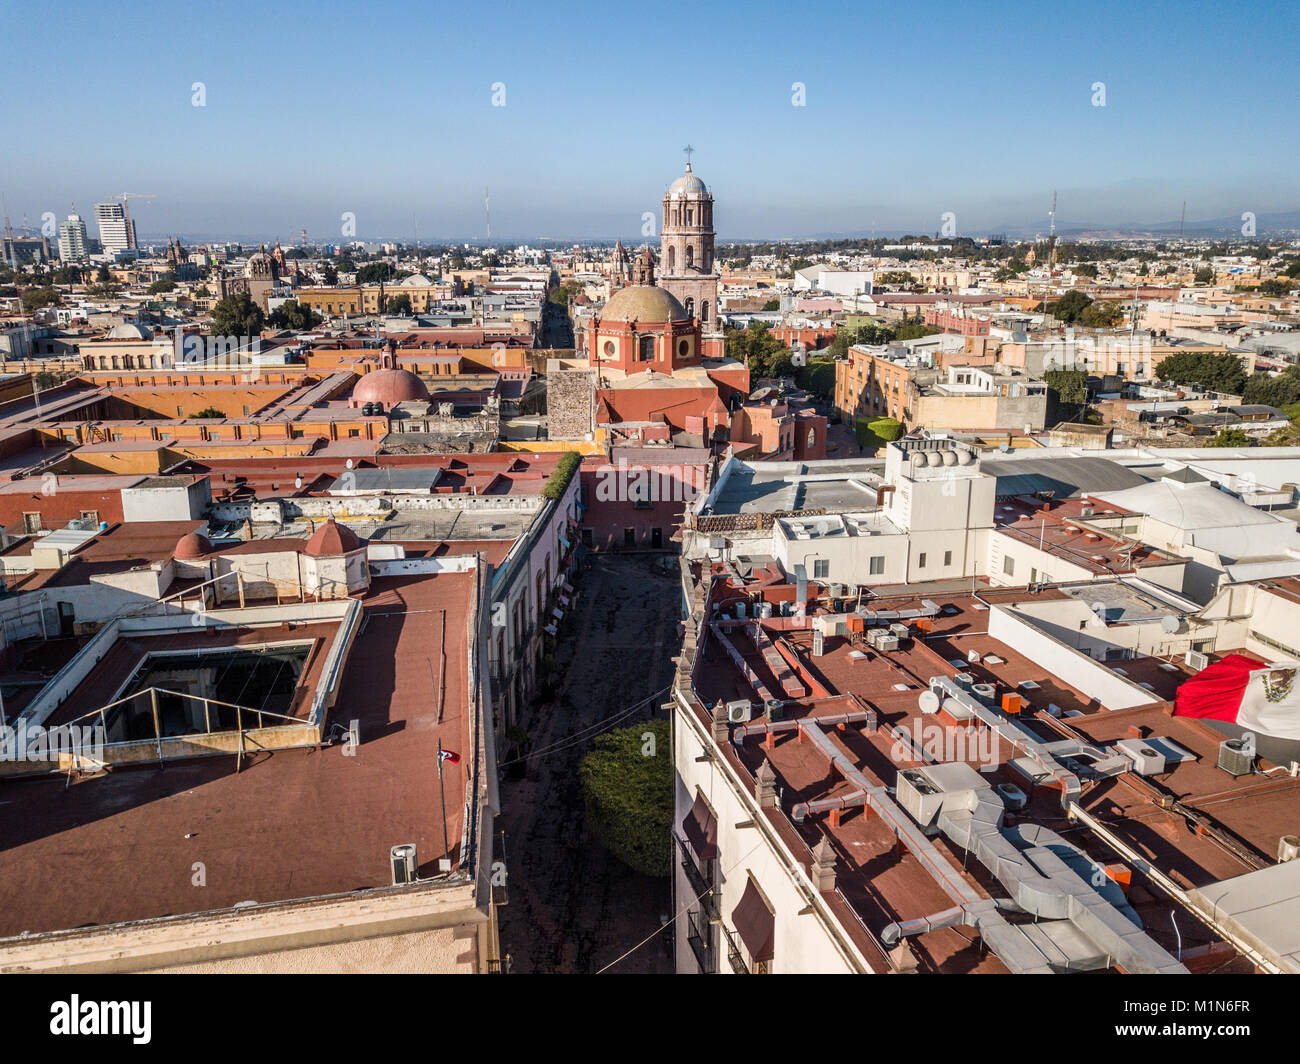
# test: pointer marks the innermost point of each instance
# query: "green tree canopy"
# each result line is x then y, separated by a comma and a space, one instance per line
627, 786
293, 315
1220, 373
400, 304
237, 315
1231, 438
374, 272
765, 355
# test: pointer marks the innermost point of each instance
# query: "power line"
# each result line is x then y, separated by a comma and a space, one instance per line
581, 736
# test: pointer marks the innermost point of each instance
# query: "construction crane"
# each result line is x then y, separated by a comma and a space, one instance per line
126, 212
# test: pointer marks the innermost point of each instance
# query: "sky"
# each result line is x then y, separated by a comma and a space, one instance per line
391, 112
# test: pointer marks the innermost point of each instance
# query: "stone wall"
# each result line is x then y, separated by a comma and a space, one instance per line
571, 404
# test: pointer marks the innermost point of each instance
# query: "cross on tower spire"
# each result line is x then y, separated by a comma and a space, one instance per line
688, 149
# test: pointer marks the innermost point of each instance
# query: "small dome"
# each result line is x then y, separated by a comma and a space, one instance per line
643, 303
389, 386
416, 280
191, 547
129, 331
331, 539
688, 182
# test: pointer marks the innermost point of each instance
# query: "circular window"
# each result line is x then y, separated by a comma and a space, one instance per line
609, 347
683, 348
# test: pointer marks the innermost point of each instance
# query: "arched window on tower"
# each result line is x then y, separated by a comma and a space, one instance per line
690, 216
690, 308
672, 258
690, 256
704, 311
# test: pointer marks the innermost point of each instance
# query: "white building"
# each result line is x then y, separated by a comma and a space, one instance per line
72, 239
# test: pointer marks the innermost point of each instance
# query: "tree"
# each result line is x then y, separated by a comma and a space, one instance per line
161, 286
1085, 269
237, 315
1067, 387
772, 304
627, 787
34, 299
375, 272
400, 305
1281, 390
1220, 373
817, 376
1231, 438
765, 355
874, 433
329, 274
1204, 275
293, 315
1069, 307
1103, 315
208, 412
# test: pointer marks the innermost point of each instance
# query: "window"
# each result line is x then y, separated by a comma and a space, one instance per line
684, 348
877, 565
690, 257
609, 348
647, 346
947, 558
821, 569
31, 522
920, 562
247, 410
90, 515
354, 433
629, 537
1033, 576
1009, 565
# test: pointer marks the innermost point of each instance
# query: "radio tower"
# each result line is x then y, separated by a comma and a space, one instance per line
487, 210
1051, 233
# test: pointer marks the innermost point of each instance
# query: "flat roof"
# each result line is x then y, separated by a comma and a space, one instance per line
290, 823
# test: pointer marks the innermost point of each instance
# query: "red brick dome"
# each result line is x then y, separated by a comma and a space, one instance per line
191, 547
331, 539
389, 386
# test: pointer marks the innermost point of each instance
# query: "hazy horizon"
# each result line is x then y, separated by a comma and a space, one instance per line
842, 120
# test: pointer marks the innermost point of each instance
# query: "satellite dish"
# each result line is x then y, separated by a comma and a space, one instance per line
1170, 624
929, 702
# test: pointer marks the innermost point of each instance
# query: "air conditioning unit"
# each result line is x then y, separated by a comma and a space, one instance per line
404, 866
740, 711
774, 708
1237, 756
1147, 760
1195, 660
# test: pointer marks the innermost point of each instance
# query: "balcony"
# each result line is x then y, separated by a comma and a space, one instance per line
699, 933
701, 885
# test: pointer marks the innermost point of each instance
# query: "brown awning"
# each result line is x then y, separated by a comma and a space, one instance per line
701, 828
755, 923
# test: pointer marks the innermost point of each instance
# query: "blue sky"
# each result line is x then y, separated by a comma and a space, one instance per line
386, 111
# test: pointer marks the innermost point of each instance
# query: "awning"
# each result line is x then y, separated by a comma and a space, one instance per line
701, 828
755, 923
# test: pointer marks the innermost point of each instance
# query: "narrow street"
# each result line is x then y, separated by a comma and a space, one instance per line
573, 907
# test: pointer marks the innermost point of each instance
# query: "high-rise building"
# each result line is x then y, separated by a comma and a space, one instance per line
116, 230
72, 239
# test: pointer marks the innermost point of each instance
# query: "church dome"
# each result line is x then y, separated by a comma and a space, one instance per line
129, 331
332, 539
389, 386
191, 547
643, 303
416, 280
688, 182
